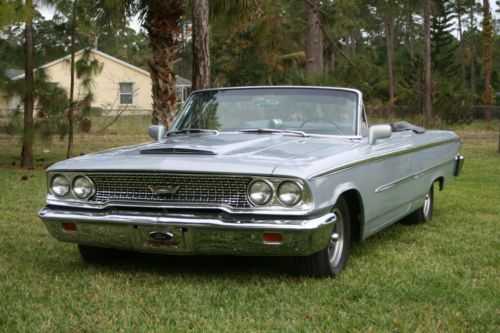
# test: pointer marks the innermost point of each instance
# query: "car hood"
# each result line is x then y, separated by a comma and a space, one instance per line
240, 153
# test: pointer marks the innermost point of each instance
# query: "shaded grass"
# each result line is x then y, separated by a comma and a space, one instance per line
441, 276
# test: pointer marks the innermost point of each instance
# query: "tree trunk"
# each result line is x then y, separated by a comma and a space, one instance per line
69, 151
487, 57
314, 43
28, 130
201, 50
473, 54
410, 32
427, 63
163, 26
461, 41
389, 39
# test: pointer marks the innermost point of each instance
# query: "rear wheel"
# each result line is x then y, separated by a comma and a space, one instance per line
332, 259
93, 254
424, 213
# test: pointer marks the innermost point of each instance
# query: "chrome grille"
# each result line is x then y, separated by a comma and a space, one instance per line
192, 189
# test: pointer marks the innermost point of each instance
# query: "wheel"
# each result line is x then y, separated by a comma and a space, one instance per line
424, 213
331, 260
93, 254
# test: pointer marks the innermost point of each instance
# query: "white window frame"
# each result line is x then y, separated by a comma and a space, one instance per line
120, 93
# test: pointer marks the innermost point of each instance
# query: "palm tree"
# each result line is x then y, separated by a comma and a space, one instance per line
201, 50
161, 19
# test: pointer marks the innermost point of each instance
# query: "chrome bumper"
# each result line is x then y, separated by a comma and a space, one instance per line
459, 162
189, 234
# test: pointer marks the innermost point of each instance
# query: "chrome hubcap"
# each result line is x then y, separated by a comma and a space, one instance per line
336, 243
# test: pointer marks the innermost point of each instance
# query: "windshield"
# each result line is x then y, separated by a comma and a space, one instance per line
309, 110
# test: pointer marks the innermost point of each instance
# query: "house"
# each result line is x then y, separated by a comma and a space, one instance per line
120, 86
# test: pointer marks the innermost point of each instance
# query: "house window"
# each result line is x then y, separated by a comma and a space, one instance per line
52, 85
126, 93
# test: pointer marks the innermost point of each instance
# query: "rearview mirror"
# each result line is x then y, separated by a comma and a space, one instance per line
379, 132
157, 132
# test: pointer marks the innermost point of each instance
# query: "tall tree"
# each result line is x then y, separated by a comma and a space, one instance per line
71, 105
161, 19
427, 62
487, 25
459, 9
28, 131
314, 41
472, 30
409, 10
388, 12
162, 22
443, 43
201, 50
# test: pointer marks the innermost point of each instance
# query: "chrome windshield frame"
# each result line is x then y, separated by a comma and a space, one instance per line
359, 107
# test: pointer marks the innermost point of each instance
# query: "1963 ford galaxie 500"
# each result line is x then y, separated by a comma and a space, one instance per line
275, 171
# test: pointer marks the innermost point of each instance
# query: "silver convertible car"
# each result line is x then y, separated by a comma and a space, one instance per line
271, 171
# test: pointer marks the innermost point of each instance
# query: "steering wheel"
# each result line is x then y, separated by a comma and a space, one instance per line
323, 120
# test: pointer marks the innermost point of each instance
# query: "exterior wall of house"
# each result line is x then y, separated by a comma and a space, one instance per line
9, 104
106, 88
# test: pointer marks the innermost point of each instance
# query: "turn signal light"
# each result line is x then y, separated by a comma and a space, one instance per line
272, 237
69, 226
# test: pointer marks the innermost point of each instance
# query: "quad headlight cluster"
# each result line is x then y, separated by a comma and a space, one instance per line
288, 193
80, 186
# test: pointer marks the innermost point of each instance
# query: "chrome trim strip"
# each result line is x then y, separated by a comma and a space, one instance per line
359, 106
264, 210
380, 157
411, 177
184, 220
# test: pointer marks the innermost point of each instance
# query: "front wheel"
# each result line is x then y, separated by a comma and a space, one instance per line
332, 259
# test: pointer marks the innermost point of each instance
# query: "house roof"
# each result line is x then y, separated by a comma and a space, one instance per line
11, 73
180, 80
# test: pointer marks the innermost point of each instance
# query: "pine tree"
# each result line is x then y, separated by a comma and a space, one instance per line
443, 43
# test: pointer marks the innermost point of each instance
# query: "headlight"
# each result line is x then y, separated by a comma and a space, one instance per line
82, 187
260, 192
59, 185
289, 193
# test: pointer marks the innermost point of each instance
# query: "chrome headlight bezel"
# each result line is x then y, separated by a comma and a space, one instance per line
264, 183
304, 201
90, 190
280, 195
62, 178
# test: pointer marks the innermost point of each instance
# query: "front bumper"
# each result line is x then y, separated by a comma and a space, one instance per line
189, 234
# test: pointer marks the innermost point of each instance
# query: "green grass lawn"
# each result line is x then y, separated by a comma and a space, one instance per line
442, 276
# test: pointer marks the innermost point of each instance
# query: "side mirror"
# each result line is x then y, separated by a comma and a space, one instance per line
379, 132
157, 132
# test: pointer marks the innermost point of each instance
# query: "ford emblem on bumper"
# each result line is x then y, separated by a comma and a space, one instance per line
161, 236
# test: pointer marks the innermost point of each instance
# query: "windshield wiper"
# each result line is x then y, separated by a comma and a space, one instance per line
191, 131
272, 131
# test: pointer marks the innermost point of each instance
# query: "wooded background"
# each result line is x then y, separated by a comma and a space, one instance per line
435, 59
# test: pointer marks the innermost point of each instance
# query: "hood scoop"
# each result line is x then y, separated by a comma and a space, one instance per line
173, 150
